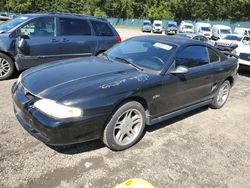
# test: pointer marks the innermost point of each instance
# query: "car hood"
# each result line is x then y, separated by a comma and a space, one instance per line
56, 80
224, 42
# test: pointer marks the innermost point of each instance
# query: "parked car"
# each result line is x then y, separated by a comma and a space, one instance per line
142, 81
157, 26
201, 38
242, 31
203, 29
232, 41
4, 17
146, 26
35, 39
220, 31
171, 28
243, 52
186, 27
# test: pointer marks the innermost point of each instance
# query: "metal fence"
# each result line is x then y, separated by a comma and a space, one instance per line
139, 22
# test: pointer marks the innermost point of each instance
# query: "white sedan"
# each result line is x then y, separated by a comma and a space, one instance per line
244, 55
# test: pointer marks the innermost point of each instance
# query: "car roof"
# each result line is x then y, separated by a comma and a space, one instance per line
64, 15
178, 41
222, 26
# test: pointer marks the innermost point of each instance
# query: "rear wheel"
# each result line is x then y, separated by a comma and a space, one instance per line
221, 95
7, 67
125, 127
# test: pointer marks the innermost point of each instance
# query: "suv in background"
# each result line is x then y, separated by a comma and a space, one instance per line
34, 39
171, 28
146, 26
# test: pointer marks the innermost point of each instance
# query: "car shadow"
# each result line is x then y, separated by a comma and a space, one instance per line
78, 148
175, 119
244, 71
98, 144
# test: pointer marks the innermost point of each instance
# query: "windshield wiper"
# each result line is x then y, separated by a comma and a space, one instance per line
129, 62
106, 55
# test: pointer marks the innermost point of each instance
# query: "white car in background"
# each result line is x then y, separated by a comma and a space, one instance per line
157, 26
231, 41
244, 55
203, 29
242, 31
186, 27
220, 31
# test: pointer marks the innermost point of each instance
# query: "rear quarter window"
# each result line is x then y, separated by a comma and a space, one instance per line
102, 28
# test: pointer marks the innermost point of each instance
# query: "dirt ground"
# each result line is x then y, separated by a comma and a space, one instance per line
204, 148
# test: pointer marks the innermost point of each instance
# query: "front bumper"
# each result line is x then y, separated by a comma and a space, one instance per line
53, 131
244, 62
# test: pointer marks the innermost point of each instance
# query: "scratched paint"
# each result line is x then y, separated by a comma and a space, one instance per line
113, 84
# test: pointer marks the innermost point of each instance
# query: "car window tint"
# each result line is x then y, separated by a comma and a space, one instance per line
75, 27
102, 29
214, 58
192, 56
196, 38
203, 39
40, 27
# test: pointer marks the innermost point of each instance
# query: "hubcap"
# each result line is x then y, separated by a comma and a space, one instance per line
128, 127
223, 94
4, 67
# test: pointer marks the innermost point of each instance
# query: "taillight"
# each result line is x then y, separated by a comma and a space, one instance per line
118, 39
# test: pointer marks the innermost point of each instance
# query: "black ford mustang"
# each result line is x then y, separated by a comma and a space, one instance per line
142, 81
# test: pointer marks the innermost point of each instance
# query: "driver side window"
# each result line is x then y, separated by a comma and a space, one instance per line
192, 56
40, 27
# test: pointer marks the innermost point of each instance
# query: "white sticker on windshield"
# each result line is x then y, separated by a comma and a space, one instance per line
162, 46
23, 18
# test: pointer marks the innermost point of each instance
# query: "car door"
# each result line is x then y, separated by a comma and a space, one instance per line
76, 37
182, 90
39, 42
106, 37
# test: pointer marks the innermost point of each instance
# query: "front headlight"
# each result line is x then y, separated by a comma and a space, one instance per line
52, 108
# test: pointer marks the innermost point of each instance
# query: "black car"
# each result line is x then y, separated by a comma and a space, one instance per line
35, 39
142, 81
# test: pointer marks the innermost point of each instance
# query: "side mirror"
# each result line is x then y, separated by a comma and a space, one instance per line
180, 70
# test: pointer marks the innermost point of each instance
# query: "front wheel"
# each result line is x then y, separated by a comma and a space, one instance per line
221, 96
7, 67
125, 127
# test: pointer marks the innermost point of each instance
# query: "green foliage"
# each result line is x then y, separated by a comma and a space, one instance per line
152, 9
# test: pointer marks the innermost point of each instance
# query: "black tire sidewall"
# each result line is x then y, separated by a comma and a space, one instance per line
12, 67
108, 137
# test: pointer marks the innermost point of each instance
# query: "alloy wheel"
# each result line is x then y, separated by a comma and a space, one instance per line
128, 127
223, 94
4, 67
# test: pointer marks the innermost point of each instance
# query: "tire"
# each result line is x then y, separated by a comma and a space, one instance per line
7, 67
221, 96
119, 134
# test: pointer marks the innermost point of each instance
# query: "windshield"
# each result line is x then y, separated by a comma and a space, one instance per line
8, 25
146, 23
233, 37
157, 25
225, 31
206, 29
188, 27
145, 54
172, 25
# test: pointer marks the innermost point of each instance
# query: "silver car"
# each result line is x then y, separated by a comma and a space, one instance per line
146, 26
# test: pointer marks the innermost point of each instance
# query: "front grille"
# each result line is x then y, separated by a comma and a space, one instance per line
244, 56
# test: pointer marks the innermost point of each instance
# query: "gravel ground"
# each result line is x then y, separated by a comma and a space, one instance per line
204, 148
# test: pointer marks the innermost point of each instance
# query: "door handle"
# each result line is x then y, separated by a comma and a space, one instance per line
65, 40
54, 40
